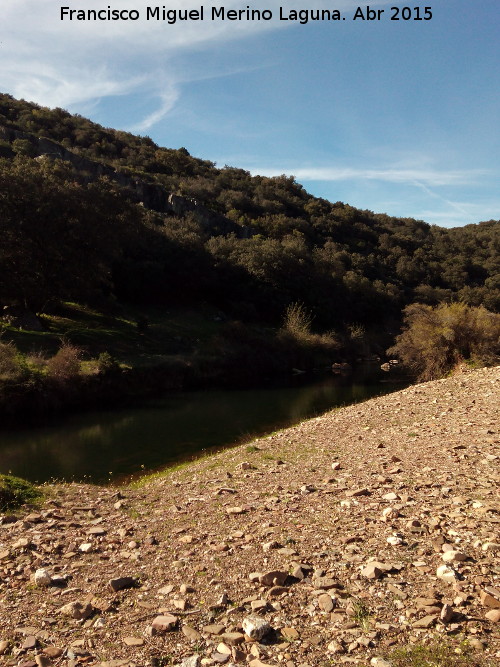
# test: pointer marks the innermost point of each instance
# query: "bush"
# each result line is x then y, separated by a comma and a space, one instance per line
15, 491
10, 367
297, 320
65, 364
107, 364
438, 339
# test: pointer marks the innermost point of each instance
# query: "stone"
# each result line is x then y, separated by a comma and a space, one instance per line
488, 600
4, 646
76, 610
446, 573
290, 634
164, 623
192, 634
273, 578
325, 583
214, 629
371, 571
85, 548
233, 638
258, 605
133, 641
335, 647
42, 578
493, 615
491, 546
380, 662
326, 602
29, 643
356, 493
52, 651
425, 622
255, 627
42, 660
390, 514
122, 582
454, 556
191, 661
446, 613
235, 510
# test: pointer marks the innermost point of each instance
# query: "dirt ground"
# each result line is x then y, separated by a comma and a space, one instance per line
336, 541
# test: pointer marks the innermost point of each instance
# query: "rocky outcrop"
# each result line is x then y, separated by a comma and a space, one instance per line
151, 195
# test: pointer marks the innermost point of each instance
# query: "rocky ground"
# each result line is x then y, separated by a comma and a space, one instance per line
335, 541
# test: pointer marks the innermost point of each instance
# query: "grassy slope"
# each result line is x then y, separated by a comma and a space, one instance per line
176, 332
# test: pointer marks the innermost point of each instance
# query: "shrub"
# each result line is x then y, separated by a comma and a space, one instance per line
106, 364
436, 340
15, 491
10, 367
65, 364
297, 320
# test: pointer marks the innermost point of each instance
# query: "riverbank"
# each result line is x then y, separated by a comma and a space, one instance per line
82, 359
370, 529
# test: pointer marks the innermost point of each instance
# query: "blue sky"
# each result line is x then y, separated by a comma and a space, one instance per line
399, 117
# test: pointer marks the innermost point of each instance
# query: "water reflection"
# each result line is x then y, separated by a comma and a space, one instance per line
93, 445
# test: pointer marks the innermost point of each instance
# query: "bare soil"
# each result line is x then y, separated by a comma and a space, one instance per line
369, 528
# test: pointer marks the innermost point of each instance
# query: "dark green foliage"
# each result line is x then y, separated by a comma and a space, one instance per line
66, 236
15, 491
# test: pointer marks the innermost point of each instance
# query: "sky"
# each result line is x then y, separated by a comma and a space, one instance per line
395, 116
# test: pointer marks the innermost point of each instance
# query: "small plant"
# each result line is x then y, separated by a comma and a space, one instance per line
251, 449
15, 491
361, 614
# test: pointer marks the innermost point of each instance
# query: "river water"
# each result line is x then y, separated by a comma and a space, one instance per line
113, 444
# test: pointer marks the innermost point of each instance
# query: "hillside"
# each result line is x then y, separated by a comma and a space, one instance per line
366, 536
114, 246
247, 245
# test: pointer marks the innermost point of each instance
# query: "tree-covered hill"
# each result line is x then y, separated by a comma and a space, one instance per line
119, 219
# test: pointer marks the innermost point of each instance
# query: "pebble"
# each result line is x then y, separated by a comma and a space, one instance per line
164, 623
122, 582
42, 578
493, 615
255, 627
76, 610
273, 578
133, 641
446, 573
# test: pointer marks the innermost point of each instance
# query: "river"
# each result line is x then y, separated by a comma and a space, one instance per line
111, 445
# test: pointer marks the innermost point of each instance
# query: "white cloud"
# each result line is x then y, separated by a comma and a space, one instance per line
417, 176
67, 63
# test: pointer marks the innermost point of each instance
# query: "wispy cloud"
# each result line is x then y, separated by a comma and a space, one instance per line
69, 62
417, 176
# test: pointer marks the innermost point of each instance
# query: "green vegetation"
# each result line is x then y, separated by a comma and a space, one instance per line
437, 340
112, 245
15, 491
439, 653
